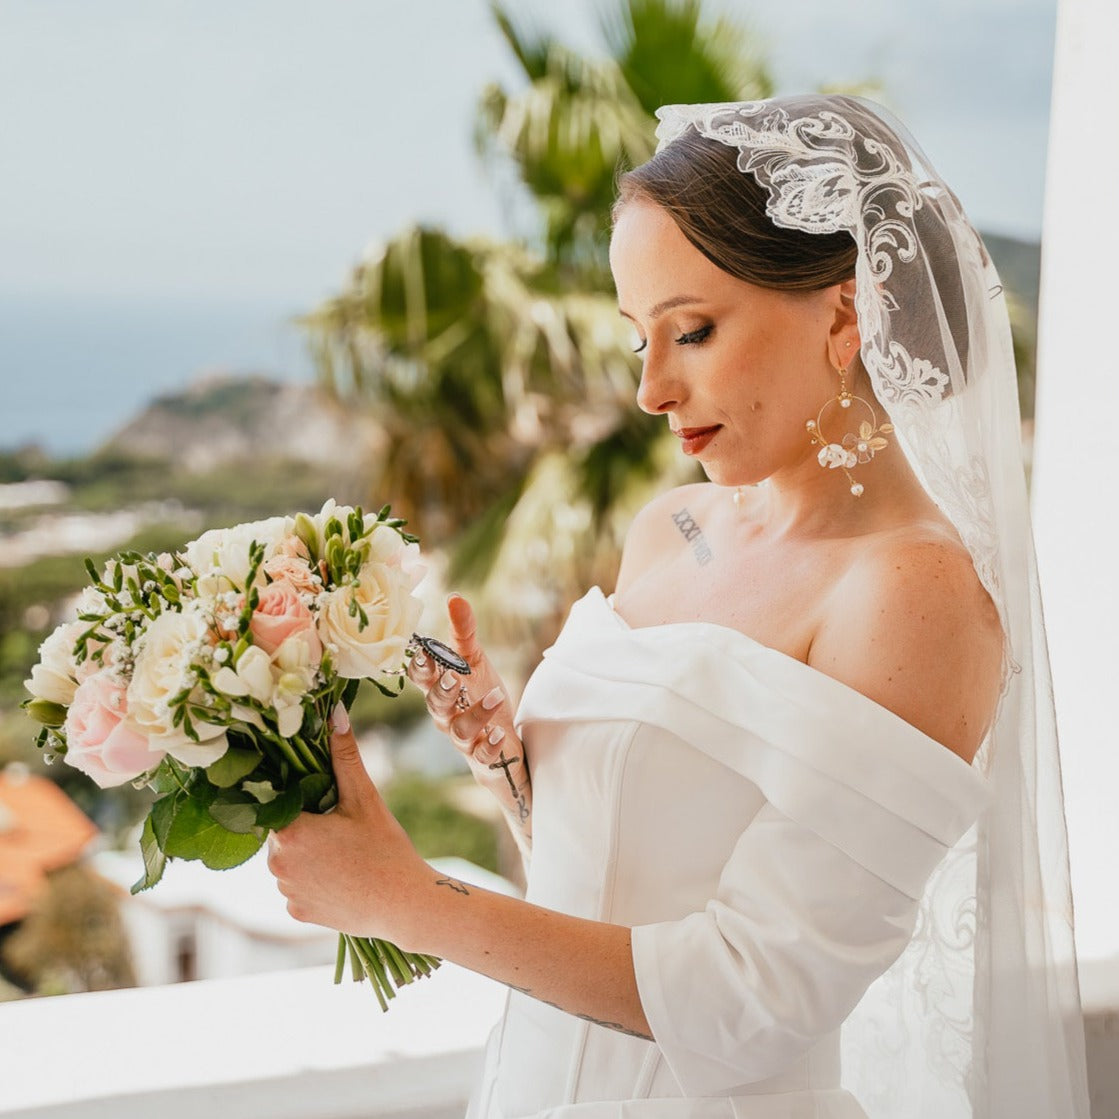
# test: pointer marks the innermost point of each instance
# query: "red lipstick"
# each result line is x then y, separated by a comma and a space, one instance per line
694, 439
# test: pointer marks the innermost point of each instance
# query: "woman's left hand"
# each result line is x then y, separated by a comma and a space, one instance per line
353, 869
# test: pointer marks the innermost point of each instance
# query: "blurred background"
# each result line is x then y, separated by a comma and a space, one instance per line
256, 254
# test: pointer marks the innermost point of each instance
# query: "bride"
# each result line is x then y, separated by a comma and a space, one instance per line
789, 797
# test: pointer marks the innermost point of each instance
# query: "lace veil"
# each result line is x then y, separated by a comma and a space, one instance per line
980, 1017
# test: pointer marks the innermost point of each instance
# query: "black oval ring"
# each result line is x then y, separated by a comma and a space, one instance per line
443, 655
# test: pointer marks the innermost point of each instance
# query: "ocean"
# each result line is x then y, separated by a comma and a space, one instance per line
74, 370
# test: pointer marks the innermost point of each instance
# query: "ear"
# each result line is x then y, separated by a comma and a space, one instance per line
844, 338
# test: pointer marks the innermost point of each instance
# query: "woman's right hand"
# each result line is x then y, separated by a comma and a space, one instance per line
480, 725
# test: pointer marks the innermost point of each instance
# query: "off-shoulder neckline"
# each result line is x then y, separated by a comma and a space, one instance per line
729, 633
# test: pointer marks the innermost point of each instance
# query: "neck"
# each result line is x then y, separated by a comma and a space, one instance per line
807, 500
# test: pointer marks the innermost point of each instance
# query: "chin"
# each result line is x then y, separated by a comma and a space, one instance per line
721, 476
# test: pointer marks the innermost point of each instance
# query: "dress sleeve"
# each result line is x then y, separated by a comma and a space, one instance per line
780, 956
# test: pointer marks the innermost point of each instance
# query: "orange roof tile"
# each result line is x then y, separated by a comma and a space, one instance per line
41, 829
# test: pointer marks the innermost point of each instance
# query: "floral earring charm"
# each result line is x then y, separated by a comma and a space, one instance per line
854, 448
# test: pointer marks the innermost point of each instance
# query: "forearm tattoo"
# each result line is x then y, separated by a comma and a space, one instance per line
693, 534
586, 1017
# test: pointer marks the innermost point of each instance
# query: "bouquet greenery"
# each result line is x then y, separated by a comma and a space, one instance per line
211, 675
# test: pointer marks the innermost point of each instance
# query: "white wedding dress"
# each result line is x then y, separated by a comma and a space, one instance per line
764, 829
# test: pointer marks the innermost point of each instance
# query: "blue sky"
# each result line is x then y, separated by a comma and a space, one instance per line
242, 153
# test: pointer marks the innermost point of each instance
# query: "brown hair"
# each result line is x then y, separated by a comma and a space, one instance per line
721, 211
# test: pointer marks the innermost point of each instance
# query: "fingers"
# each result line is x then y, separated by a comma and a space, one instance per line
464, 629
489, 711
489, 744
350, 773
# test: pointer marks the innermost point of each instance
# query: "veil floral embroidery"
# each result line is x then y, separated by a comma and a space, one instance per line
990, 974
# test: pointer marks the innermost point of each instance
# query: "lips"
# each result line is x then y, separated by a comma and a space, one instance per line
694, 439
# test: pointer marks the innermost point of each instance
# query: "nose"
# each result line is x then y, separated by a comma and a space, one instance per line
656, 394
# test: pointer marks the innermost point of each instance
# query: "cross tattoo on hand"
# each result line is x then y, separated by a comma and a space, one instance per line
504, 763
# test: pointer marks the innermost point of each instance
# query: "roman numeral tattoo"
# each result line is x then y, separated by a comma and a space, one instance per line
693, 534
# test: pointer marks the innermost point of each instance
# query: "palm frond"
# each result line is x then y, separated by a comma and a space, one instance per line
530, 45
669, 53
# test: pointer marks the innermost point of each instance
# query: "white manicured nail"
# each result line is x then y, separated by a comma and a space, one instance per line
495, 736
447, 681
492, 699
419, 660
340, 719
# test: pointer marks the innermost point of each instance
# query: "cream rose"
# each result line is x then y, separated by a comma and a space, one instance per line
164, 666
387, 546
220, 557
55, 677
101, 740
384, 594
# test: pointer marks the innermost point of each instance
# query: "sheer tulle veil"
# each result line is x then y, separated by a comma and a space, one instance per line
980, 1017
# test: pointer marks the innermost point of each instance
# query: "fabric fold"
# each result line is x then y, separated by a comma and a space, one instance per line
856, 774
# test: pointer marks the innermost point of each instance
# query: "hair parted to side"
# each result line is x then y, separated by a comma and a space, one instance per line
721, 211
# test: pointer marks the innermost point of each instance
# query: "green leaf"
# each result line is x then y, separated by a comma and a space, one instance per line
154, 859
318, 792
349, 693
234, 764
261, 791
280, 812
195, 834
390, 690
162, 816
236, 816
167, 778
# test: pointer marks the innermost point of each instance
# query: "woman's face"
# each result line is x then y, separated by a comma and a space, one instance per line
736, 369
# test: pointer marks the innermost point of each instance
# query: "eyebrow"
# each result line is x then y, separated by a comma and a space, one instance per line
665, 305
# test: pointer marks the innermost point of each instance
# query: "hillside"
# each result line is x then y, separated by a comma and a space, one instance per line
223, 419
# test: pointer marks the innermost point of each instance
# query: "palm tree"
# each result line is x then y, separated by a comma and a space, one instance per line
500, 371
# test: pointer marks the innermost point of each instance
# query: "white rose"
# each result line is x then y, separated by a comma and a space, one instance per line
164, 667
220, 557
384, 593
55, 677
91, 601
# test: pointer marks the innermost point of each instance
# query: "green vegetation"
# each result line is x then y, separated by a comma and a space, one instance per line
436, 826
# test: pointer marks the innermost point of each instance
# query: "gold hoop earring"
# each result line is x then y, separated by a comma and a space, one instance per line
853, 448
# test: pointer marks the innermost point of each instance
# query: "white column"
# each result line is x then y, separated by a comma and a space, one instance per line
1076, 472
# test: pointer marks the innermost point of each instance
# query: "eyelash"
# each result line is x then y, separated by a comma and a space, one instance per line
694, 337
688, 338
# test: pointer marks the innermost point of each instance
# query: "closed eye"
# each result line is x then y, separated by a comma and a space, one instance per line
644, 343
694, 337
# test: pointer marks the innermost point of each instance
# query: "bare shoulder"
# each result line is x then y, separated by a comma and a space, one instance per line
661, 528
911, 626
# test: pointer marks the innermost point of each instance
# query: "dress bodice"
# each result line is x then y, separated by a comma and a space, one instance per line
765, 832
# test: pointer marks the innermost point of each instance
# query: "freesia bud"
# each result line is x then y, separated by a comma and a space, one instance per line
306, 531
45, 712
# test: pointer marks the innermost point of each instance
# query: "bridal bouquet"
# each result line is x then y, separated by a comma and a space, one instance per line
211, 674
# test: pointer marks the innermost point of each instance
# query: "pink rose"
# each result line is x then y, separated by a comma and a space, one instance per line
100, 739
294, 548
281, 614
293, 570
